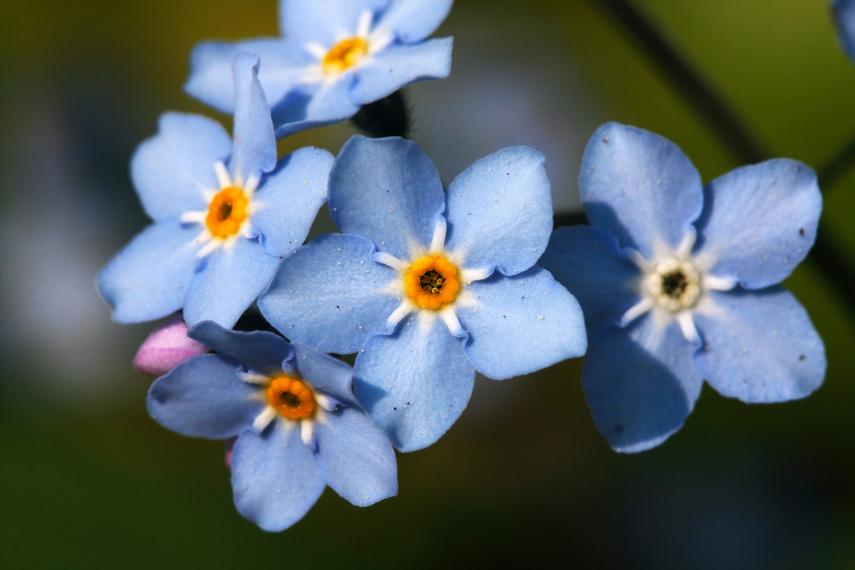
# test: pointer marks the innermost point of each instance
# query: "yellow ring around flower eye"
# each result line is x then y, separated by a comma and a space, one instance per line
292, 398
431, 282
227, 212
344, 55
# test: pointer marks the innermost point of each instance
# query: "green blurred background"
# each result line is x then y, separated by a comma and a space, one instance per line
524, 478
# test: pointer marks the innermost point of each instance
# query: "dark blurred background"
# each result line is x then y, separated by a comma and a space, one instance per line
524, 478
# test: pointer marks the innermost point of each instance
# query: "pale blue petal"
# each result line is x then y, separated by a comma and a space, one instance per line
640, 383
211, 80
520, 324
398, 66
640, 187
149, 278
260, 351
330, 294
172, 170
586, 260
388, 191
254, 144
760, 346
324, 21
500, 211
844, 19
356, 457
416, 382
275, 477
289, 199
414, 20
314, 105
228, 283
324, 373
204, 397
759, 221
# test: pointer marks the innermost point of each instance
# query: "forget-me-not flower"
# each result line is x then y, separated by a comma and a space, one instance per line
429, 287
334, 57
679, 283
297, 424
224, 213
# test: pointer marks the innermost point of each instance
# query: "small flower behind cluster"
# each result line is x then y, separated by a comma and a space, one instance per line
290, 420
429, 287
679, 283
334, 57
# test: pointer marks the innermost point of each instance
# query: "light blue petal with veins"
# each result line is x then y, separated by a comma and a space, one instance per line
275, 476
760, 346
520, 324
759, 221
500, 211
356, 457
254, 144
323, 21
150, 277
843, 12
414, 20
640, 383
324, 373
313, 105
289, 199
228, 283
172, 170
204, 397
260, 351
330, 294
586, 260
416, 382
399, 65
640, 187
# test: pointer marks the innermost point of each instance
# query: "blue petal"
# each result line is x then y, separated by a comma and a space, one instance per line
520, 324
211, 80
640, 383
150, 277
324, 373
228, 283
315, 105
414, 20
203, 397
356, 456
398, 66
323, 21
760, 346
172, 170
586, 260
275, 477
844, 19
254, 144
289, 199
416, 382
640, 187
330, 294
388, 191
500, 211
759, 221
259, 351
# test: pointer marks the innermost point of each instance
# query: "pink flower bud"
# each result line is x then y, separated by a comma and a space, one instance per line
167, 347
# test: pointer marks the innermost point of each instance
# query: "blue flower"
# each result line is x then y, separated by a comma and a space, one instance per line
843, 12
678, 282
224, 213
336, 55
297, 424
429, 287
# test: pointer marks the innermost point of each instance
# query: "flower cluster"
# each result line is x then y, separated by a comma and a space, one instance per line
426, 285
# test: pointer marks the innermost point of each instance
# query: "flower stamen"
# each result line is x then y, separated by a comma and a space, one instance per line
674, 284
431, 282
227, 212
292, 398
344, 55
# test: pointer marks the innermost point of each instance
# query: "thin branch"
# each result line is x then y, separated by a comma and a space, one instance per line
837, 166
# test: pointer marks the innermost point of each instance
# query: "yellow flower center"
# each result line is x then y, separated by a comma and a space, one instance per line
227, 212
431, 282
291, 398
344, 55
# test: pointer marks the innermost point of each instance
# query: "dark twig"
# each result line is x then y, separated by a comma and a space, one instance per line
388, 117
837, 166
827, 256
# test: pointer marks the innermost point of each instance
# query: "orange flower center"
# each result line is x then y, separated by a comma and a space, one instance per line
291, 398
431, 282
344, 55
227, 212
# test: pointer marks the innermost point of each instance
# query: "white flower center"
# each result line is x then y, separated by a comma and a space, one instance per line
674, 284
